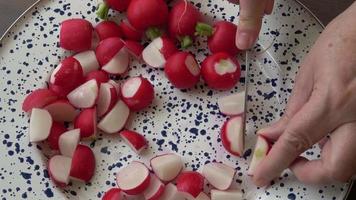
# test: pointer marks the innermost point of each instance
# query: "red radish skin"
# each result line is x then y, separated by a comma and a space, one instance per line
223, 38
59, 169
83, 164
107, 98
60, 91
130, 32
113, 194
136, 141
190, 182
134, 48
61, 111
168, 47
108, 29
120, 5
85, 95
38, 99
155, 190
182, 70
40, 125
144, 14
232, 136
76, 35
57, 130
137, 93
87, 60
99, 75
86, 122
221, 71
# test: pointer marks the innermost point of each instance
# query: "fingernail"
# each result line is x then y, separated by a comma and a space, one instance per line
244, 40
263, 130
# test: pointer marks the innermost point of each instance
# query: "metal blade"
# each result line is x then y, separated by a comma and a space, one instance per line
247, 80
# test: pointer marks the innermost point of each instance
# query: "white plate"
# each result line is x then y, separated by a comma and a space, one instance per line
186, 122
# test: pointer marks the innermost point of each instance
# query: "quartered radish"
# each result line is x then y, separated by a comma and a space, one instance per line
88, 61
232, 136
99, 75
261, 150
113, 194
130, 32
76, 35
135, 48
83, 164
85, 95
112, 55
221, 71
134, 178
219, 175
158, 51
59, 169
182, 70
38, 99
136, 141
167, 166
61, 111
106, 99
86, 123
191, 183
57, 130
117, 86
232, 194
155, 189
202, 196
233, 104
171, 193
108, 29
68, 142
40, 125
115, 119
137, 93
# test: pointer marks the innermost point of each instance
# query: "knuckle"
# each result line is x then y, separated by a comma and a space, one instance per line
296, 141
337, 173
250, 20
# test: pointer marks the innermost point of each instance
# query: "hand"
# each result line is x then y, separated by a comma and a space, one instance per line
323, 102
250, 20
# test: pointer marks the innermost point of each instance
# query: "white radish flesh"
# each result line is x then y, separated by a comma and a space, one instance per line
260, 152
192, 65
155, 189
59, 168
88, 61
134, 178
152, 54
232, 104
171, 193
225, 66
115, 120
40, 125
232, 135
85, 95
131, 87
226, 195
68, 142
118, 64
202, 196
167, 166
219, 175
106, 99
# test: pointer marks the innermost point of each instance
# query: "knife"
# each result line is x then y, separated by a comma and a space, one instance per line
247, 80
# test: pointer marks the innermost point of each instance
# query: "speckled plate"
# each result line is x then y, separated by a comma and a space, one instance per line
185, 122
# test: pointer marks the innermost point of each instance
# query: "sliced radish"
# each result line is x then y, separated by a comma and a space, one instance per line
232, 136
155, 189
233, 104
158, 51
38, 99
86, 122
226, 195
134, 48
115, 120
136, 141
107, 29
40, 125
137, 93
130, 32
261, 150
68, 142
134, 178
61, 111
221, 71
107, 98
219, 175
59, 168
57, 130
113, 194
167, 166
171, 193
85, 95
112, 55
182, 70
88, 61
76, 35
83, 164
191, 183
99, 75
117, 86
202, 196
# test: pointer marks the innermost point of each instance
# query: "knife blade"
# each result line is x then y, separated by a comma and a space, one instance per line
247, 80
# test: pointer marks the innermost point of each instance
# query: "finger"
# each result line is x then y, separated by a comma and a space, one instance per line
310, 172
234, 1
250, 20
269, 7
322, 142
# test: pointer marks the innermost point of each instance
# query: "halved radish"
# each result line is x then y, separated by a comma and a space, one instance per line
40, 125
107, 29
116, 118
68, 142
226, 194
76, 35
202, 196
136, 141
38, 99
191, 183
57, 130
86, 122
232, 136
262, 148
233, 104
60, 91
158, 51
61, 111
167, 166
134, 178
113, 194
219, 175
130, 32
155, 189
137, 93
83, 164
221, 71
88, 61
106, 99
182, 70
112, 56
135, 48
117, 86
85, 95
99, 75
59, 169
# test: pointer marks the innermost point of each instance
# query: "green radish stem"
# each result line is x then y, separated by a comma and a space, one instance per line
153, 32
203, 29
103, 11
186, 42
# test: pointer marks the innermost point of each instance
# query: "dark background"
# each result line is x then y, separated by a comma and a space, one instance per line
325, 10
